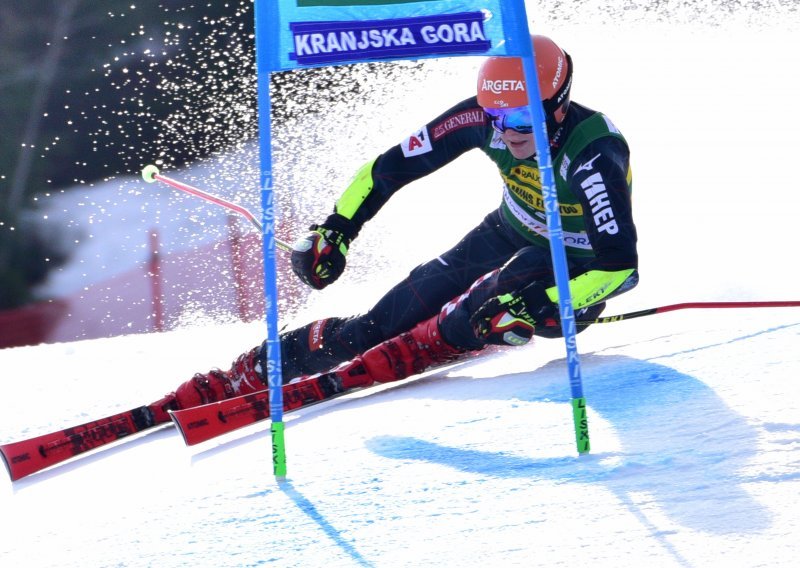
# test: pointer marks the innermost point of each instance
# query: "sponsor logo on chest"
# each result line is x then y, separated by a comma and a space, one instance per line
526, 184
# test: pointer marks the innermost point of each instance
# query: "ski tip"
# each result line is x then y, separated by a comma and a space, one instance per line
178, 426
149, 173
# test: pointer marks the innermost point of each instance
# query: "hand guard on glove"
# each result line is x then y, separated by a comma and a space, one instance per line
510, 319
318, 258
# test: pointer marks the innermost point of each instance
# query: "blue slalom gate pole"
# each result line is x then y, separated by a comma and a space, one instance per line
521, 34
292, 34
266, 50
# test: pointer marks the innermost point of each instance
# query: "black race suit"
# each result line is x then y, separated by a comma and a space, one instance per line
591, 166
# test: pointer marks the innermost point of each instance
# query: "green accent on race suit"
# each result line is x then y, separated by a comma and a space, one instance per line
591, 287
524, 187
356, 192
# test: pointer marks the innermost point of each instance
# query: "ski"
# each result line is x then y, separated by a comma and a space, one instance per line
202, 423
35, 454
198, 424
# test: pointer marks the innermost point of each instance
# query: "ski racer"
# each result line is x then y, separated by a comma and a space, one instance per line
496, 286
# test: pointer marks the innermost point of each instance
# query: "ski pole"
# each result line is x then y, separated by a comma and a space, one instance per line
151, 173
687, 306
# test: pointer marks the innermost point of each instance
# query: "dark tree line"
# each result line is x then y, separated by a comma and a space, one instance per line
87, 88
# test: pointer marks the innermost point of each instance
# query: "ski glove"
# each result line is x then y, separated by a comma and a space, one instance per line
510, 319
318, 258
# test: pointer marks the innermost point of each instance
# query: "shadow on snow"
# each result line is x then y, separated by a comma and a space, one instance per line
679, 442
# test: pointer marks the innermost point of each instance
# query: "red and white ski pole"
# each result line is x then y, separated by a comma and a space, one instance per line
151, 174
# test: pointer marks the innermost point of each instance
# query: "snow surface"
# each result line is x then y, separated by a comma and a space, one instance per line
694, 415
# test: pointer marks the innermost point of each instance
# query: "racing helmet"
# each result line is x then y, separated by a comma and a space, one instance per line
501, 82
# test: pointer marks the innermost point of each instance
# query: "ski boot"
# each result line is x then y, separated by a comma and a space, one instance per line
407, 354
245, 376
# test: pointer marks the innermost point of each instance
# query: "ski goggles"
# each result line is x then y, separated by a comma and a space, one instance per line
517, 119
